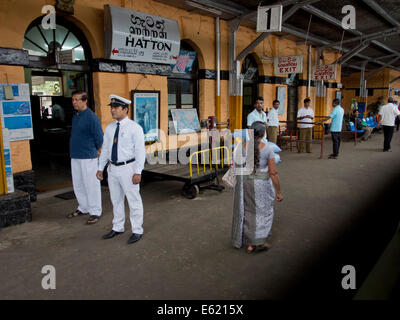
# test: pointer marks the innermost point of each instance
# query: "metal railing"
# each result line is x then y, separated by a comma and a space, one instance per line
210, 157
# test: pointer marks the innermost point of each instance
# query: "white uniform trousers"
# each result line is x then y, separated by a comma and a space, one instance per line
120, 185
87, 187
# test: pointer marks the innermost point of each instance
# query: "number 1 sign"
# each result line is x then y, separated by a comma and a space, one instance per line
269, 19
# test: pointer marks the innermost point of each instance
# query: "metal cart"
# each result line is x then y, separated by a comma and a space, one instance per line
198, 174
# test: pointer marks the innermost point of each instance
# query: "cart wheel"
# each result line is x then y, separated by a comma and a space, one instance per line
190, 191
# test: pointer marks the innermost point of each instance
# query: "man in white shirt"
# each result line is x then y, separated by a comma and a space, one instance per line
257, 114
305, 114
387, 116
124, 150
273, 122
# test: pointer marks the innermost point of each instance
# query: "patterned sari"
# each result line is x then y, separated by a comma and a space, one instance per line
253, 209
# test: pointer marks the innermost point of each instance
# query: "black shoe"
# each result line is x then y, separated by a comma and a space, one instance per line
111, 234
134, 237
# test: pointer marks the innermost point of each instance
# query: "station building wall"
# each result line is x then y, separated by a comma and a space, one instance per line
197, 29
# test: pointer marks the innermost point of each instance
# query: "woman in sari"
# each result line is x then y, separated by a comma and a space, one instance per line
254, 196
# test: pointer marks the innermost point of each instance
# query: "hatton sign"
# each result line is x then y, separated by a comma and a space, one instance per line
136, 36
287, 65
325, 72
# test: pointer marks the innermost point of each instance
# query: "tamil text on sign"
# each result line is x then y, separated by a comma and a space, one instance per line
287, 65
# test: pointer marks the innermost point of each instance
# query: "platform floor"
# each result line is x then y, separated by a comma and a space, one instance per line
335, 213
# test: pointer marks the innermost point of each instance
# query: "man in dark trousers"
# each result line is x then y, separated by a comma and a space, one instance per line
86, 139
387, 117
336, 127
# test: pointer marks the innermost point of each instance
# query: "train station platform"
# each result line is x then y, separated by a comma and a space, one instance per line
335, 213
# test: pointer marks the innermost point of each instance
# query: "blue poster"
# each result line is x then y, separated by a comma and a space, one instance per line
7, 157
21, 122
16, 108
146, 114
15, 91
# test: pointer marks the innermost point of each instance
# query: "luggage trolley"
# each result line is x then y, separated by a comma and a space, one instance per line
197, 175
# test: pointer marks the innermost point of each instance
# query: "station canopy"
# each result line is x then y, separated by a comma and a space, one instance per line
373, 43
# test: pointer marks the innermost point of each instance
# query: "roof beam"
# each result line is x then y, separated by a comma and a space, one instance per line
350, 54
353, 66
381, 68
296, 7
371, 36
382, 12
397, 78
252, 45
228, 7
336, 22
301, 34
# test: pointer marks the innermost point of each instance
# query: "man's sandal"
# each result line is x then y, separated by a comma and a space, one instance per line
93, 219
76, 213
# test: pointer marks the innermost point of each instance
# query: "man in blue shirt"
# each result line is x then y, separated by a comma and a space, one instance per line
257, 114
86, 139
336, 127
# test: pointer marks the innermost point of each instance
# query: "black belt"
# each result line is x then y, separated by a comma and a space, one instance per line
122, 163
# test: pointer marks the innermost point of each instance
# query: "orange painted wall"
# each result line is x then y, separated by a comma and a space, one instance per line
380, 80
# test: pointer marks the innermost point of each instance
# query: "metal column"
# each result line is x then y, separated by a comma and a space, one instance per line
218, 63
235, 80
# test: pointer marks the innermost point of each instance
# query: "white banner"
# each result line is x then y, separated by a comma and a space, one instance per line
136, 36
325, 72
287, 65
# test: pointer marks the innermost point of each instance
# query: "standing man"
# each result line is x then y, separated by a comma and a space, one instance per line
273, 122
387, 115
336, 126
305, 114
258, 113
86, 139
124, 150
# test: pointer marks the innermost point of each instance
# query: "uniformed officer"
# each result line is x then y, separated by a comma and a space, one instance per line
124, 150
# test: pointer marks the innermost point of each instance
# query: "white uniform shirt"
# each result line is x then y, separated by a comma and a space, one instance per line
130, 144
256, 116
388, 112
305, 112
272, 118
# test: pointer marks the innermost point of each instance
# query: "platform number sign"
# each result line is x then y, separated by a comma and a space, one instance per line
269, 19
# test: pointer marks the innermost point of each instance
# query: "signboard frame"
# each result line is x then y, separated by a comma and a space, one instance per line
131, 35
287, 63
154, 97
269, 17
330, 74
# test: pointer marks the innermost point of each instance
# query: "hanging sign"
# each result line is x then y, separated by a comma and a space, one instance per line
66, 57
325, 72
136, 36
269, 19
287, 65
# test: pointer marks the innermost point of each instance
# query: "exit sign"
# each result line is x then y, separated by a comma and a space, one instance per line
269, 19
